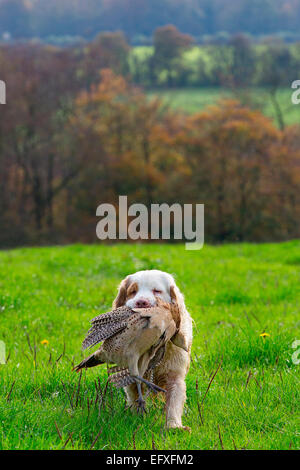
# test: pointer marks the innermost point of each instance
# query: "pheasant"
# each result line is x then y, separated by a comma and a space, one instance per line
135, 340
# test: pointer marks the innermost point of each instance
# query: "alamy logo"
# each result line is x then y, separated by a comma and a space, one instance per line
158, 224
2, 92
296, 94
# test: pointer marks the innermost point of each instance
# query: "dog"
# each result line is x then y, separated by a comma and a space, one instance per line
140, 290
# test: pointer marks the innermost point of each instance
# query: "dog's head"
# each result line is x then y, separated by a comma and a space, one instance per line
141, 290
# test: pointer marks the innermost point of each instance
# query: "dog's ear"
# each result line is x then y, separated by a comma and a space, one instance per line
177, 299
173, 295
175, 314
178, 305
121, 297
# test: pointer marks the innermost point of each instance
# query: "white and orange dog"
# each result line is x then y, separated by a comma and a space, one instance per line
140, 290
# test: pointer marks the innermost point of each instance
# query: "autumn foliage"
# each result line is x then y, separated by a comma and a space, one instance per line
70, 146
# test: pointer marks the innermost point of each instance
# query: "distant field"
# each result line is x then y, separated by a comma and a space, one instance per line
235, 293
193, 100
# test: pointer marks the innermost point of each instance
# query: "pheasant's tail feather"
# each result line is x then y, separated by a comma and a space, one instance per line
116, 315
100, 333
122, 378
90, 361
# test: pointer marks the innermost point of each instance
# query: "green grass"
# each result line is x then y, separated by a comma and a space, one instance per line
233, 292
190, 100
194, 100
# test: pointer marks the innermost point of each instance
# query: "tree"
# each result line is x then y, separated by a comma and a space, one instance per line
243, 61
128, 140
107, 50
278, 68
230, 150
38, 79
169, 44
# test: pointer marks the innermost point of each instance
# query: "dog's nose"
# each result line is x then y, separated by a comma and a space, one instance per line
142, 303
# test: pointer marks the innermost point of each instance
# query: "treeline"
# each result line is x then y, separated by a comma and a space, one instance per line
139, 18
174, 62
72, 138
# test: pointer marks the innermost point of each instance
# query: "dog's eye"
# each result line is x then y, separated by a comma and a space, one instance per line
157, 291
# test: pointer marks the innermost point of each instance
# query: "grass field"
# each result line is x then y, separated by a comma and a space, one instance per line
234, 293
193, 100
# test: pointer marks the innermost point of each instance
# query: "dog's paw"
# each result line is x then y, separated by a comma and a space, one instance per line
186, 428
174, 427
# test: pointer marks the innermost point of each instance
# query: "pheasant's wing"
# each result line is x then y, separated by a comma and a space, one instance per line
96, 335
157, 358
106, 325
120, 377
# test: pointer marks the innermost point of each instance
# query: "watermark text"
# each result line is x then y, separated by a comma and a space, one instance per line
162, 222
2, 92
296, 94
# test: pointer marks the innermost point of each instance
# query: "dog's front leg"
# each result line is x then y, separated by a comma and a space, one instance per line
171, 375
175, 399
131, 396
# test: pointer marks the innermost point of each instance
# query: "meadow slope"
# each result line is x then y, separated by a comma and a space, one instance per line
235, 293
195, 100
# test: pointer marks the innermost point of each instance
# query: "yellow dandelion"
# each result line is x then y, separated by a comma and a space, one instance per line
264, 335
45, 342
